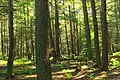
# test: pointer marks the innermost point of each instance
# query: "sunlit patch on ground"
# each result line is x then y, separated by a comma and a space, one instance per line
26, 76
3, 62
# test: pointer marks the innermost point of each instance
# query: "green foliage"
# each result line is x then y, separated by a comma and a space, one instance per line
69, 76
57, 67
115, 62
116, 54
91, 75
21, 66
21, 27
17, 62
68, 73
29, 71
22, 61
3, 71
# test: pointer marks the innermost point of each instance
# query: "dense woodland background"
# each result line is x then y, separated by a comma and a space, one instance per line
59, 35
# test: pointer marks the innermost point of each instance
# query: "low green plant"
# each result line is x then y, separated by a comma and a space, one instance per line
28, 71
115, 62
116, 54
3, 71
91, 75
69, 76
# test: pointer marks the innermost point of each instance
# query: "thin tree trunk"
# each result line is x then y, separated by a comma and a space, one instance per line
74, 30
57, 31
2, 46
71, 34
117, 26
21, 42
52, 45
87, 31
77, 42
104, 36
67, 37
80, 35
27, 29
4, 37
96, 38
11, 39
32, 41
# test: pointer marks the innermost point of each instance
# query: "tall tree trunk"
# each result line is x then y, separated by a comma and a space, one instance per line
71, 34
104, 36
52, 45
57, 30
74, 30
11, 39
32, 41
28, 41
41, 36
96, 39
21, 42
117, 25
66, 36
2, 46
80, 36
77, 42
66, 32
5, 39
87, 31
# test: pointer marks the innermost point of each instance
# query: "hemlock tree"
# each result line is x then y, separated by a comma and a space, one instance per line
117, 24
11, 39
57, 30
104, 36
96, 39
87, 31
71, 34
42, 58
66, 32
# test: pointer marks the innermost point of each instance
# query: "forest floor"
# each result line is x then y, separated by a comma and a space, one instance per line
65, 70
81, 75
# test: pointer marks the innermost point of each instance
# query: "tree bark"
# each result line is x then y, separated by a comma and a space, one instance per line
11, 39
104, 36
96, 38
41, 36
71, 34
87, 31
57, 31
